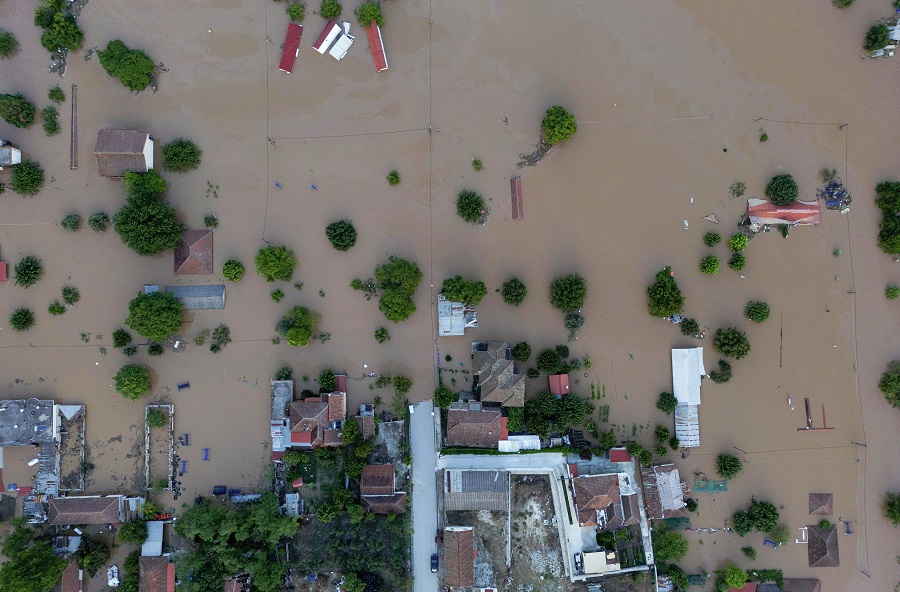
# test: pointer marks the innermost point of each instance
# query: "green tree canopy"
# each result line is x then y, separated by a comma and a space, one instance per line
742, 522
763, 515
728, 466
341, 234
181, 155
92, 554
669, 545
709, 265
891, 507
890, 383
667, 402
514, 291
327, 381
16, 110
144, 187
398, 280
734, 577
330, 9
31, 566
233, 270
732, 342
559, 125
608, 439
470, 206
275, 263
756, 311
28, 271
888, 197
62, 33
9, 45
782, 190
27, 178
155, 316
298, 325
550, 362
148, 228
132, 67
572, 410
521, 351
133, 531
133, 381
368, 12
877, 37
469, 292
664, 296
515, 422
443, 396
568, 292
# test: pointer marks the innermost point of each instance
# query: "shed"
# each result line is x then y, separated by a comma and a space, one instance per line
152, 546
476, 490
559, 384
687, 369
687, 425
761, 211
515, 189
194, 253
619, 455
199, 297
9, 155
291, 48
3, 276
821, 504
823, 547
121, 151
376, 46
329, 34
341, 47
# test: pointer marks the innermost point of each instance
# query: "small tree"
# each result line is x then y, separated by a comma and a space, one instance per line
877, 37
144, 187
470, 206
298, 325
98, 222
9, 45
469, 292
402, 385
284, 373
182, 155
327, 381
132, 67
16, 110
155, 316
71, 222
734, 577
741, 522
341, 234
211, 221
607, 440
382, 335
521, 352
516, 420
782, 190
842, 3
711, 239
233, 270
514, 291
661, 434
666, 402
731, 342
750, 552
296, 12
559, 125
669, 545
890, 383
134, 531
709, 265
728, 466
550, 362
393, 178
574, 322
398, 280
121, 338
892, 291
368, 12
56, 94
50, 117
330, 9
154, 349
568, 292
70, 294
275, 263
737, 262
477, 165
781, 534
723, 374
689, 327
21, 319
133, 381
56, 308
738, 241
737, 189
892, 507
664, 296
756, 311
27, 178
28, 271
443, 396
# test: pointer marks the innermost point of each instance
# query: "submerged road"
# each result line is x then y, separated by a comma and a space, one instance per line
422, 442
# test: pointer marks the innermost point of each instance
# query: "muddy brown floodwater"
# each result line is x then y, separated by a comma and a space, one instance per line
668, 96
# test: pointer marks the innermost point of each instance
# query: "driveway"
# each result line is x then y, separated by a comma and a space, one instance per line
422, 436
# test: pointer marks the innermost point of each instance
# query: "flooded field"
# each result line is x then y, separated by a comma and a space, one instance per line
668, 97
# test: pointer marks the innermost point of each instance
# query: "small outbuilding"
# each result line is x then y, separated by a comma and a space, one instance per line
459, 556
121, 151
9, 155
376, 46
291, 48
821, 504
559, 384
194, 253
199, 297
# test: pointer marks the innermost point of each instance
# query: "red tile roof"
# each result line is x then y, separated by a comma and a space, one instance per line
459, 556
377, 480
340, 382
366, 426
619, 455
385, 504
594, 493
277, 455
504, 430
154, 574
332, 438
559, 384
71, 579
84, 510
302, 437
474, 428
376, 46
337, 406
291, 47
3, 277
515, 189
194, 253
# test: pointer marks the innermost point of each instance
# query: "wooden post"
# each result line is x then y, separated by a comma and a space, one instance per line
73, 164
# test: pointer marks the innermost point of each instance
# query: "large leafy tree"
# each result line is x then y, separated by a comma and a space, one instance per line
514, 291
890, 383
732, 342
782, 190
567, 292
275, 263
181, 155
341, 234
132, 67
559, 125
62, 33
16, 110
470, 206
572, 410
133, 381
155, 316
148, 228
398, 280
728, 466
763, 515
742, 522
734, 577
667, 402
30, 566
550, 362
469, 292
889, 202
27, 178
134, 531
298, 326
669, 545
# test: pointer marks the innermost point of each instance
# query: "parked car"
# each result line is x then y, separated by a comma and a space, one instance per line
579, 564
434, 563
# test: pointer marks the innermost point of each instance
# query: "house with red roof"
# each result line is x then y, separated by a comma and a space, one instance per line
317, 421
376, 47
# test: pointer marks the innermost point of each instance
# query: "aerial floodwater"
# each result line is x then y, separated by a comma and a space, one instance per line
672, 99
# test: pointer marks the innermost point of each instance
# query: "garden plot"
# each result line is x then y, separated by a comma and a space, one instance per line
159, 446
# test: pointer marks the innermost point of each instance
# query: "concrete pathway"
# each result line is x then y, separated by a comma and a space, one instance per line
422, 442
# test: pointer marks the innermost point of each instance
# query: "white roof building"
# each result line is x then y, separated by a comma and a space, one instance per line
454, 317
152, 547
687, 369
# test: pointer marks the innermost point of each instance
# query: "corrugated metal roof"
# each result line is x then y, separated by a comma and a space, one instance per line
687, 368
152, 546
199, 297
687, 425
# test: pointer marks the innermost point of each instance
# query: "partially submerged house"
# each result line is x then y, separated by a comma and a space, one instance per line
377, 491
821, 504
157, 575
459, 556
455, 317
663, 492
822, 547
9, 155
317, 421
687, 372
210, 297
282, 395
336, 42
559, 385
609, 501
471, 425
194, 253
376, 47
763, 212
495, 380
121, 151
291, 48
515, 190
474, 490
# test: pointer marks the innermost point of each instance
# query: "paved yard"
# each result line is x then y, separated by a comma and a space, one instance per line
424, 495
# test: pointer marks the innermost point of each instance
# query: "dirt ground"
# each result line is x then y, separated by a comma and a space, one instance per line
537, 562
71, 453
160, 443
490, 545
662, 135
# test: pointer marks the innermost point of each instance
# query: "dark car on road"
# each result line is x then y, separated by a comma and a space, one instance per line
434, 563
